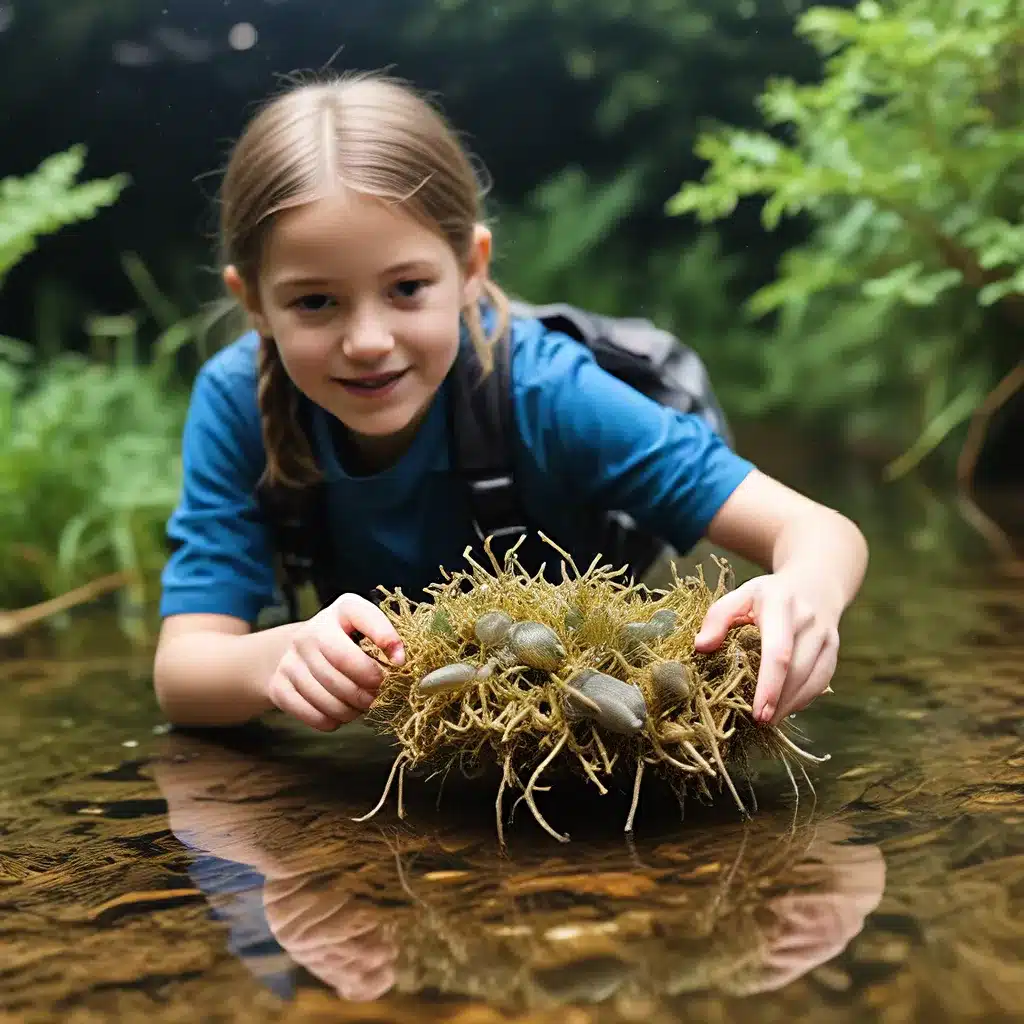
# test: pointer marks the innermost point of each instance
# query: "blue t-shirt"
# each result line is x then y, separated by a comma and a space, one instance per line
585, 439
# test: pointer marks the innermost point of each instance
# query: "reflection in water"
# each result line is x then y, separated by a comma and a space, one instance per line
264, 903
740, 910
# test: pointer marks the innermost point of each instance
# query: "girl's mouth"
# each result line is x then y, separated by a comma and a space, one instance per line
371, 383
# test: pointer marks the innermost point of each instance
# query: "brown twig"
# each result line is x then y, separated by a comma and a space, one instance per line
13, 622
967, 465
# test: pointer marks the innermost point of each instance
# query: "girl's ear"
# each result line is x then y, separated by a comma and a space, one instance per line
478, 266
246, 297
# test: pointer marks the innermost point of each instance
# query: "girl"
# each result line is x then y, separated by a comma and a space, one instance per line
352, 238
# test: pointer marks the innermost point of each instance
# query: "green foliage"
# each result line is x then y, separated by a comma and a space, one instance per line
89, 468
559, 242
47, 200
650, 58
566, 244
90, 462
908, 156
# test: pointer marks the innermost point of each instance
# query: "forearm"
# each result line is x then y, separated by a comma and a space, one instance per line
214, 678
787, 533
827, 552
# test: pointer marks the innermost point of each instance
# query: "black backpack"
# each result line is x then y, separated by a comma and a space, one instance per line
646, 357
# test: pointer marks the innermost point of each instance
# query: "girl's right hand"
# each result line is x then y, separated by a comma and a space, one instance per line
324, 679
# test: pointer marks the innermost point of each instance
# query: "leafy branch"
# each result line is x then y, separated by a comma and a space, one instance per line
908, 157
47, 200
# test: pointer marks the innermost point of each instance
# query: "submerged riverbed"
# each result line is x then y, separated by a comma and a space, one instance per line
155, 875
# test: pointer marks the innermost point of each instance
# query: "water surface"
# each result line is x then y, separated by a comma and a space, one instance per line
165, 876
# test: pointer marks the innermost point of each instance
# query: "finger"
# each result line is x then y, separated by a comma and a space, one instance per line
736, 606
371, 986
320, 698
776, 625
337, 684
814, 686
358, 925
365, 959
807, 647
283, 695
311, 915
344, 657
356, 614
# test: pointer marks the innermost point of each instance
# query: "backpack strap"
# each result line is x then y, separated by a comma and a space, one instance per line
483, 425
482, 428
291, 514
483, 431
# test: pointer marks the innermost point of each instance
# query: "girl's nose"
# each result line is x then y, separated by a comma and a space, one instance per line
367, 338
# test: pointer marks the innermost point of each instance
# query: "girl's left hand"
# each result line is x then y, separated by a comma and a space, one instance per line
799, 641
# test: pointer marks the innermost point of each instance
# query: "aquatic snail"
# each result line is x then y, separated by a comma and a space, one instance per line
671, 681
665, 619
620, 707
536, 645
491, 628
449, 677
634, 636
573, 619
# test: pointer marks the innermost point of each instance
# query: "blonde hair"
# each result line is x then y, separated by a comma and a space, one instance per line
372, 134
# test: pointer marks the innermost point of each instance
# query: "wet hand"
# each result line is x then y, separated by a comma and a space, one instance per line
799, 641
324, 679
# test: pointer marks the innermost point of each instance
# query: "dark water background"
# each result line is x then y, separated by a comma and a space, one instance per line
156, 90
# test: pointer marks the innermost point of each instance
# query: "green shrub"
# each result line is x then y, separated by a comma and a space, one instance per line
90, 462
908, 157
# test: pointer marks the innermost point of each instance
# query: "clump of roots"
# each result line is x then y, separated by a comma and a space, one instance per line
593, 671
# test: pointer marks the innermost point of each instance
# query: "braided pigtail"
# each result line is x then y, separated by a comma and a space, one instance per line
483, 343
289, 458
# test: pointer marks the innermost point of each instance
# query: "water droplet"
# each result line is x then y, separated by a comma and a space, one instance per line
243, 36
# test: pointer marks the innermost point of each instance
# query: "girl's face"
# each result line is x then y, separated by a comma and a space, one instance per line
364, 303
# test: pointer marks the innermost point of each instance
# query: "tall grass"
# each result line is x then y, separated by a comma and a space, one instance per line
90, 461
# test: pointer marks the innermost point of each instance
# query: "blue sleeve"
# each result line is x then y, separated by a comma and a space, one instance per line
221, 560
591, 439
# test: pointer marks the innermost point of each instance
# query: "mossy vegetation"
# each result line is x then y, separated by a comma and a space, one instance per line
596, 672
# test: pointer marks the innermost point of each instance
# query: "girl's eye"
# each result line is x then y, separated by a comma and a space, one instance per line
409, 289
312, 303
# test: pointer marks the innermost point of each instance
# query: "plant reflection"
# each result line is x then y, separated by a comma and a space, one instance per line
727, 908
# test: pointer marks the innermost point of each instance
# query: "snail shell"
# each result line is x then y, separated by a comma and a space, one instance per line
448, 677
671, 680
636, 635
664, 621
536, 645
573, 619
491, 628
623, 708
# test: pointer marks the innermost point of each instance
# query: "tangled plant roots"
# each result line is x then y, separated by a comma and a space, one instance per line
594, 670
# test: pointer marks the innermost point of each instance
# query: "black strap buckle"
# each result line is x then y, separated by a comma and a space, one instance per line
496, 511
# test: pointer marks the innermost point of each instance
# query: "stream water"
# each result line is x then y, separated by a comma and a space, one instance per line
155, 875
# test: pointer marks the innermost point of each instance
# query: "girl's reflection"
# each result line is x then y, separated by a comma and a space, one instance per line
267, 860
283, 863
